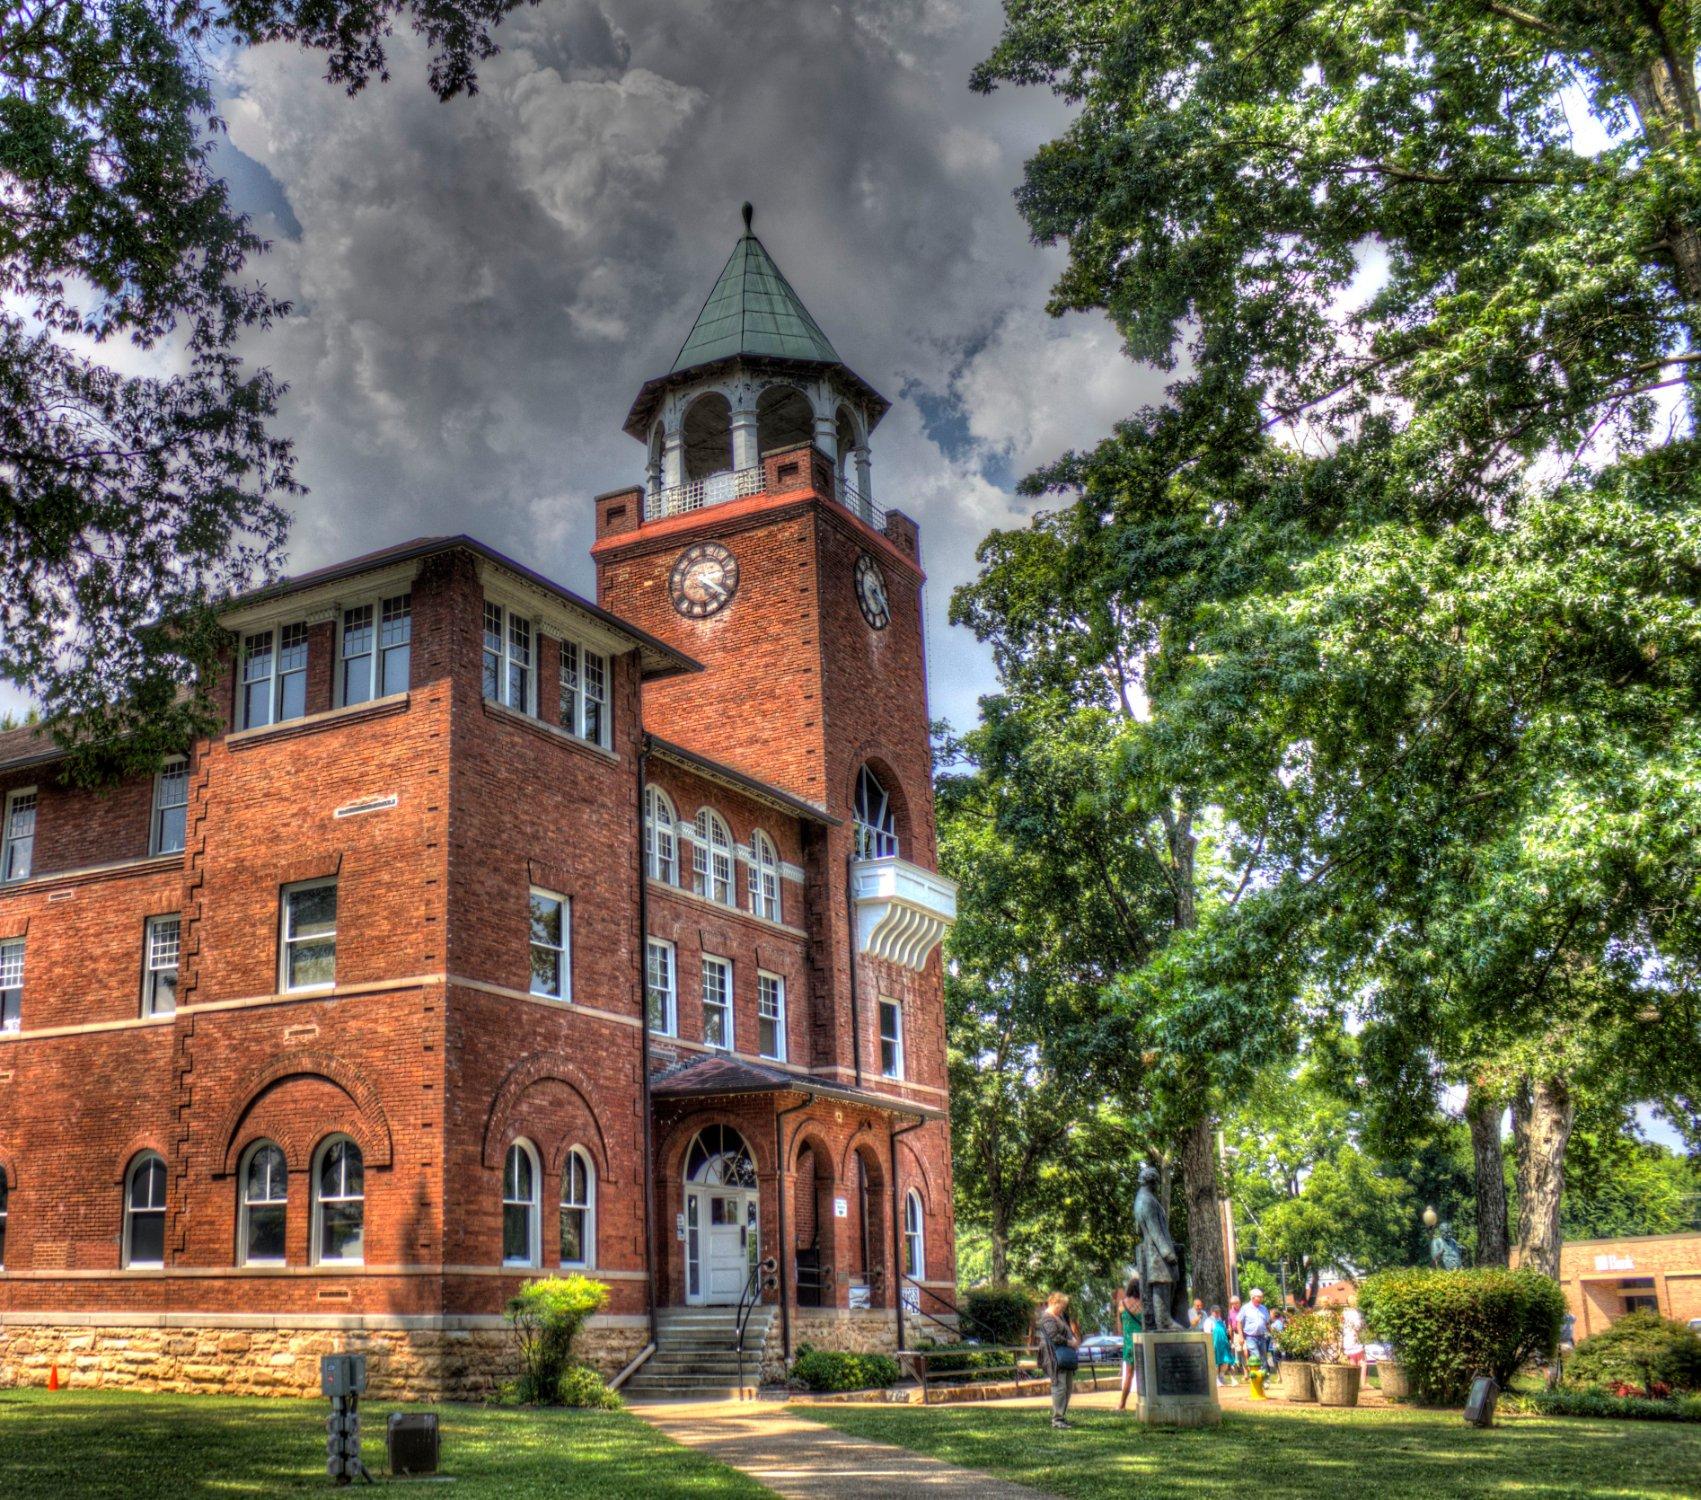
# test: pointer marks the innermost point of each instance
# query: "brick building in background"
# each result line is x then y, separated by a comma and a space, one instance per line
1605, 1279
500, 932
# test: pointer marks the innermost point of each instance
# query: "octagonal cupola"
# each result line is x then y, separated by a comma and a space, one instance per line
755, 374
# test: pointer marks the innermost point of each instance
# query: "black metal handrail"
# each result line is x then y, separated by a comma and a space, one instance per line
945, 1302
760, 1279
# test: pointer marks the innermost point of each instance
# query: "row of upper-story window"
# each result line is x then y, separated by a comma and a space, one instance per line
167, 825
714, 857
374, 649
337, 1208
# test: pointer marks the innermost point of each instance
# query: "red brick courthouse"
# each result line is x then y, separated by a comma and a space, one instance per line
501, 931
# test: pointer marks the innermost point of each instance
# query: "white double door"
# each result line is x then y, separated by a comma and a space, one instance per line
721, 1242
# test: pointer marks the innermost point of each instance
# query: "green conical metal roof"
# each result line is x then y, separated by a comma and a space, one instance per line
753, 311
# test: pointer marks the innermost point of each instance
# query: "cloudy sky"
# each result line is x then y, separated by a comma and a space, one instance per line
481, 286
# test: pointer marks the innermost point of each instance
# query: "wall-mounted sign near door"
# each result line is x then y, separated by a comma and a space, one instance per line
841, 1208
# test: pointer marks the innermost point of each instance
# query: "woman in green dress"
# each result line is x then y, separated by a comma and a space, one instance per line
1129, 1301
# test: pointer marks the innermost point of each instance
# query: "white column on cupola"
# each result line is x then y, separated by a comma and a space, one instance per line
673, 446
864, 477
746, 451
827, 436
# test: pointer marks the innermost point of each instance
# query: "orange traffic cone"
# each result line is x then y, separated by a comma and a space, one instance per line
53, 1377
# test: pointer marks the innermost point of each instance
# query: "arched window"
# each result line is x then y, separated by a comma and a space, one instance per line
144, 1212
264, 1207
711, 858
2, 1218
915, 1250
719, 1158
708, 440
661, 851
876, 825
578, 1210
764, 877
339, 1203
784, 418
519, 1206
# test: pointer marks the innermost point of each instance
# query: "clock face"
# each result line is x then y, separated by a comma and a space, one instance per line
704, 579
871, 592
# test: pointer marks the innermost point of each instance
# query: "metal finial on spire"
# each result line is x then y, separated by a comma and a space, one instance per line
749, 214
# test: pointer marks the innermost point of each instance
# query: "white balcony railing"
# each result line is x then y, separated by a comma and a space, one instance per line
715, 489
902, 911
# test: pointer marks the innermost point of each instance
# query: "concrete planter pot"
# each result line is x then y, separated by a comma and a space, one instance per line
1297, 1381
1337, 1385
1392, 1378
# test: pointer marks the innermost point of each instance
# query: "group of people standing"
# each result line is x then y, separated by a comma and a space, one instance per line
1245, 1334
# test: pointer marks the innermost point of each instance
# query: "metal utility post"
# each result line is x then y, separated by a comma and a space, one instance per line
342, 1377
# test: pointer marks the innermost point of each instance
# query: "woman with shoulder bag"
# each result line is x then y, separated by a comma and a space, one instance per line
1059, 1352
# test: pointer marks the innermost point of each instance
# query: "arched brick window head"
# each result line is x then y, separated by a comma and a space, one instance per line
876, 824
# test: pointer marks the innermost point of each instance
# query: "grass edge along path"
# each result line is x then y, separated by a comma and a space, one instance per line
130, 1445
1292, 1452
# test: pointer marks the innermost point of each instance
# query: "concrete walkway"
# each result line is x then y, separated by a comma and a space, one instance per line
794, 1457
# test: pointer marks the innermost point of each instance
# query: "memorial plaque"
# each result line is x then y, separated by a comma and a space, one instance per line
1181, 1370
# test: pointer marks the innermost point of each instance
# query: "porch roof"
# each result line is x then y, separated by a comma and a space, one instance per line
717, 1074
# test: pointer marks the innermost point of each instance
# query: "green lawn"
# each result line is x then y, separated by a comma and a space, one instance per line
1280, 1451
91, 1445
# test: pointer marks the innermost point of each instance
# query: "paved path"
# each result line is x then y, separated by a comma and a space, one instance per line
794, 1457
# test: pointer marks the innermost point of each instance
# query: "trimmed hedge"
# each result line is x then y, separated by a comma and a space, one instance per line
837, 1370
1000, 1314
951, 1359
1593, 1403
1644, 1350
1448, 1327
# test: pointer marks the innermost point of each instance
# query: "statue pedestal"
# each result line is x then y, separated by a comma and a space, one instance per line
1178, 1381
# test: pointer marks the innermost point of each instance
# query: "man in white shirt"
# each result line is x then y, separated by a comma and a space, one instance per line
1255, 1326
1196, 1313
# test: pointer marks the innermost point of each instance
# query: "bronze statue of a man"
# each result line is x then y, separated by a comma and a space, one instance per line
1154, 1259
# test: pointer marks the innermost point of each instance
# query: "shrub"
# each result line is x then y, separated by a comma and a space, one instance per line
1312, 1336
1448, 1327
1598, 1403
950, 1359
547, 1315
837, 1370
1643, 1351
999, 1314
581, 1386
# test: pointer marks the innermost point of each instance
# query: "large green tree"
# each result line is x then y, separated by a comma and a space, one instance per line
134, 489
1426, 337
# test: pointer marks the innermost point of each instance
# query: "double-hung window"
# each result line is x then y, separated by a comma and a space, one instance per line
339, 1203
764, 877
161, 944
552, 945
659, 986
771, 1016
171, 806
711, 857
507, 658
274, 675
520, 1217
17, 836
377, 643
578, 1210
717, 1002
144, 1213
309, 941
891, 1039
661, 848
11, 985
584, 693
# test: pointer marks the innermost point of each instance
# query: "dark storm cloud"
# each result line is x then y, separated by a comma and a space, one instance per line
482, 286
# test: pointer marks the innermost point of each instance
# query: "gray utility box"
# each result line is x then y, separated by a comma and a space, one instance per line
342, 1374
412, 1439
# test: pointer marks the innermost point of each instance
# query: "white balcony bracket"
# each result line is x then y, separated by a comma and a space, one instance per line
902, 911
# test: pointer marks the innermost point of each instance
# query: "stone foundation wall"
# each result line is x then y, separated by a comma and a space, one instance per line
447, 1359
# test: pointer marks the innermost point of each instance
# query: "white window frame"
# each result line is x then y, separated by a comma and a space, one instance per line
764, 877
532, 1205
156, 947
563, 954
588, 1235
11, 984
173, 775
661, 836
713, 967
131, 1210
390, 616
584, 685
23, 799
5, 1207
771, 1006
285, 940
915, 1236
244, 1203
711, 850
874, 824
895, 1009
508, 657
274, 675
316, 1245
654, 947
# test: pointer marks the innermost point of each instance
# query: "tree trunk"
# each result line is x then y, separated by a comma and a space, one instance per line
1204, 1213
1541, 1173
999, 1233
1483, 1111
